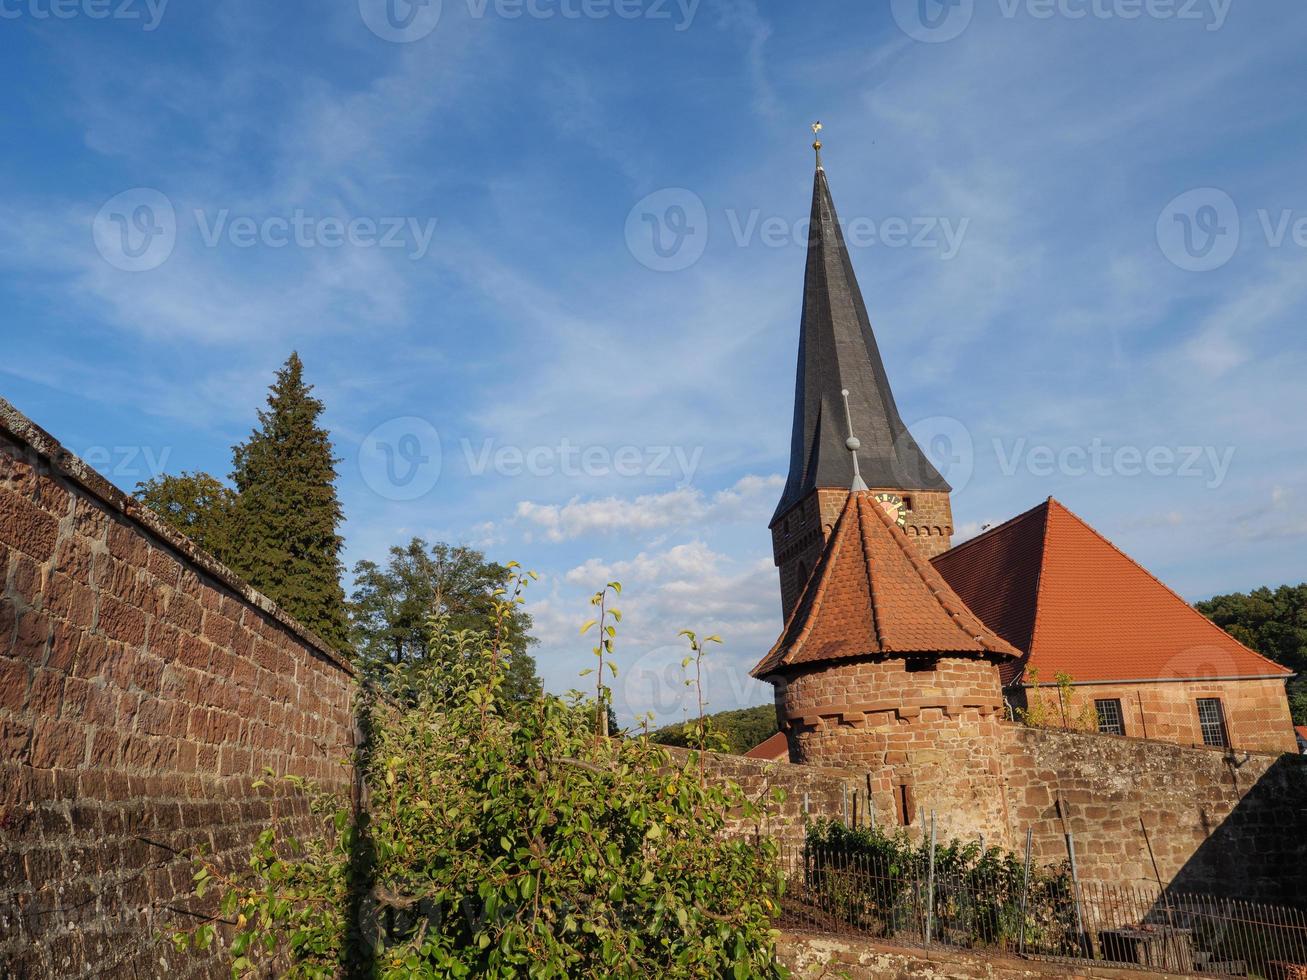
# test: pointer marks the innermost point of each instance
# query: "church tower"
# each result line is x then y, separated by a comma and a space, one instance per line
838, 353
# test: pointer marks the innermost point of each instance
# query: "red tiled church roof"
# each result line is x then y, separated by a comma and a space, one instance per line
774, 748
872, 594
1059, 591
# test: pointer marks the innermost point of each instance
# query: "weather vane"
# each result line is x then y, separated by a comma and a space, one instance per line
852, 441
816, 143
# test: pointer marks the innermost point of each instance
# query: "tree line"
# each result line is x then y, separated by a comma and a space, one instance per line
1274, 623
276, 523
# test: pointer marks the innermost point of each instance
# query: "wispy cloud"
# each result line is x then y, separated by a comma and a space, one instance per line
750, 499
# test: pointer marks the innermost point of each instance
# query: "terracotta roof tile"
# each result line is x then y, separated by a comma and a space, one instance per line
774, 748
872, 594
1059, 591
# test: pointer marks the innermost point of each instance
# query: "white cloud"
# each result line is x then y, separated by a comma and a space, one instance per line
750, 499
687, 585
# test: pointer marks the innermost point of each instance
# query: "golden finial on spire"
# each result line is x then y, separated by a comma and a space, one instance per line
816, 143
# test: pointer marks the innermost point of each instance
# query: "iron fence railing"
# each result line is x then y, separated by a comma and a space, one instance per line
1042, 916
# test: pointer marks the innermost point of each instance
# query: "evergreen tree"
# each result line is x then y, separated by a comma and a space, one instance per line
196, 504
285, 521
391, 607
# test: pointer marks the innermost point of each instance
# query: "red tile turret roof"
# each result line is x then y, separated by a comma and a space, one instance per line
1059, 591
774, 748
872, 594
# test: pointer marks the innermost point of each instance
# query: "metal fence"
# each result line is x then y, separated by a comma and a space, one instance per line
1041, 915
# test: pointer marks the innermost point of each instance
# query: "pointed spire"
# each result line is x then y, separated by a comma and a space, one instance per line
837, 351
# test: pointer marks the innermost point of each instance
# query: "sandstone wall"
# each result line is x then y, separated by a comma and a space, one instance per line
811, 792
927, 734
1256, 711
142, 689
1232, 823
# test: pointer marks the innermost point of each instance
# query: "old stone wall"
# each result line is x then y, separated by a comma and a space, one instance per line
810, 792
926, 733
1256, 711
1226, 822
142, 690
812, 957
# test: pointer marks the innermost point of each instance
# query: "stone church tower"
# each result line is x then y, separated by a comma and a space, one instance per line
880, 666
837, 353
883, 668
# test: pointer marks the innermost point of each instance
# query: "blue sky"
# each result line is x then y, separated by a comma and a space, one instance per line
1082, 236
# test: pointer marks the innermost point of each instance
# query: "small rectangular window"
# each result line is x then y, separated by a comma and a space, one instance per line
1211, 719
907, 505
1110, 719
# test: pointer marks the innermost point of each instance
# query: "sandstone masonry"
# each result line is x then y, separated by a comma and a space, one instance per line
142, 689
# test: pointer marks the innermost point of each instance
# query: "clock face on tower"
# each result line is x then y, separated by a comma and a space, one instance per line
893, 505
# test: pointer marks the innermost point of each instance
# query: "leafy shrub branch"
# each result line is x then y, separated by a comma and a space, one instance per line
497, 843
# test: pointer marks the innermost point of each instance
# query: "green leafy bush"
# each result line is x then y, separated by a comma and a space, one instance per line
881, 882
506, 843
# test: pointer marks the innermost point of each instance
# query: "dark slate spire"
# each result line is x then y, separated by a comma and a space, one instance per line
837, 350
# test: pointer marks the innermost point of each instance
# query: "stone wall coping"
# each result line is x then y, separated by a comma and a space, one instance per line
1157, 743
768, 765
67, 464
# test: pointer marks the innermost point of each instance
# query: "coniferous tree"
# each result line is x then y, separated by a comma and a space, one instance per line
284, 536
